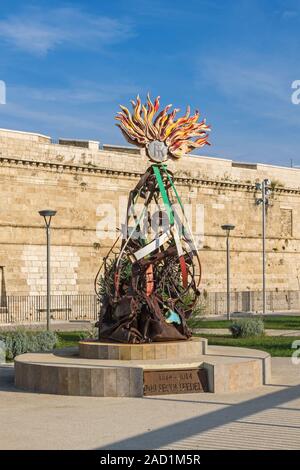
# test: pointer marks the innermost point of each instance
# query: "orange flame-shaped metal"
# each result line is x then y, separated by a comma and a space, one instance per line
144, 125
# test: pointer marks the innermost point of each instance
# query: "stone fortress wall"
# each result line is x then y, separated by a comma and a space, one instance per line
77, 177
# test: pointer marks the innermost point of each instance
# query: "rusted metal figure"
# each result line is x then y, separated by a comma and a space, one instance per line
148, 283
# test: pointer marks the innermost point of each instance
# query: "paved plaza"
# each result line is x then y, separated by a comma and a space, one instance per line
268, 418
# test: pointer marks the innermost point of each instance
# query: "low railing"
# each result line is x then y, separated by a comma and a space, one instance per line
33, 308
215, 303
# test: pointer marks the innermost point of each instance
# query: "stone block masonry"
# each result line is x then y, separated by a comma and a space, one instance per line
77, 178
64, 264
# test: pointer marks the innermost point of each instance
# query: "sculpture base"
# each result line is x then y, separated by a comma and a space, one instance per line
190, 348
222, 369
165, 382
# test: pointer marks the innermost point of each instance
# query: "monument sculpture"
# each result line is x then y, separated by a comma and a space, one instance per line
148, 284
148, 288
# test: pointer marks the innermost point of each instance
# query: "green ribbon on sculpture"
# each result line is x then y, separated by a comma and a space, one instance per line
164, 194
165, 198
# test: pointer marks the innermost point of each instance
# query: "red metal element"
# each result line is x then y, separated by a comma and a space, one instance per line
149, 280
183, 271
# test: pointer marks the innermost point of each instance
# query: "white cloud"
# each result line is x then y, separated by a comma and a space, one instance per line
244, 79
38, 31
80, 92
68, 111
262, 124
254, 85
289, 14
37, 116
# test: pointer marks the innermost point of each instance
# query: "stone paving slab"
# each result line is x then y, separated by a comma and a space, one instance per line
267, 418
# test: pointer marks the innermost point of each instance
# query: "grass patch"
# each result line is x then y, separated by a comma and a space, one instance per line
67, 339
271, 322
276, 346
282, 322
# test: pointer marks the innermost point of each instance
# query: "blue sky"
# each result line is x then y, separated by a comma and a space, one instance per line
67, 66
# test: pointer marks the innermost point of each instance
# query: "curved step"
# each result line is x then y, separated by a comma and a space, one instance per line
228, 370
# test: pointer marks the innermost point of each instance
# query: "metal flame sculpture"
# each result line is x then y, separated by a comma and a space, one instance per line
149, 286
144, 125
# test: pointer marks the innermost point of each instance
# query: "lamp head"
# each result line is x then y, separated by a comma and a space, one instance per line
227, 228
47, 213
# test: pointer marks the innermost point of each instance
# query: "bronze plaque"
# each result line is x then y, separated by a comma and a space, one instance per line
171, 381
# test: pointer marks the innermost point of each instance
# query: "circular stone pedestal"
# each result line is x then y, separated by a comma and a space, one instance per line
146, 351
227, 369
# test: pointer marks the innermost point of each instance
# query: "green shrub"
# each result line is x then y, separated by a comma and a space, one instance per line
247, 327
2, 352
21, 341
44, 340
198, 311
91, 333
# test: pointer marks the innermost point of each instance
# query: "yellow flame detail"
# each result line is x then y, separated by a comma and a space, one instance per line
145, 124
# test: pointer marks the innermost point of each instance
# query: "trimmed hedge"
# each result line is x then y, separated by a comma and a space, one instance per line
247, 328
21, 341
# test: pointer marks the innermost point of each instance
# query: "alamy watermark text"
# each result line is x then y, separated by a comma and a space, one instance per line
2, 92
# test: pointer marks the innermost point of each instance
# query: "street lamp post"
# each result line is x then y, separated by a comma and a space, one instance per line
264, 201
47, 215
228, 228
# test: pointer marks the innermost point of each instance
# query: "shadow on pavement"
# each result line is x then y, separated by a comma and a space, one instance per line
7, 377
167, 435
